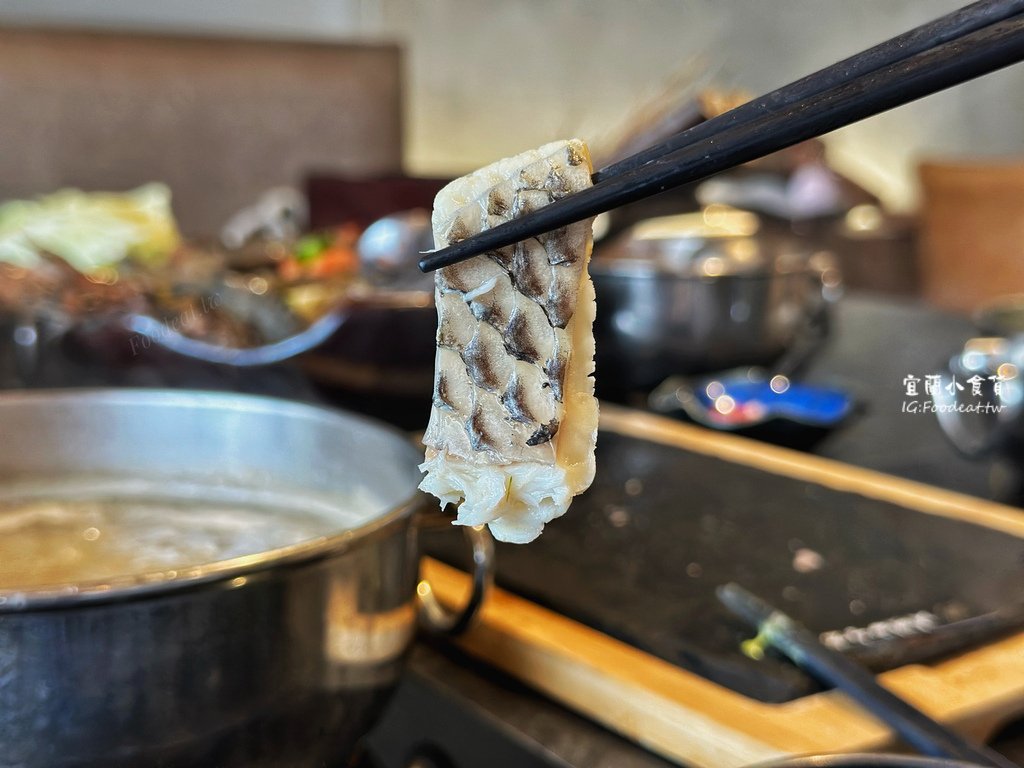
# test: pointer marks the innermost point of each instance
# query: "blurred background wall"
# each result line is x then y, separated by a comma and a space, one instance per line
491, 77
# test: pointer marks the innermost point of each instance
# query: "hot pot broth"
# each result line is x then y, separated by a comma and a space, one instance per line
88, 532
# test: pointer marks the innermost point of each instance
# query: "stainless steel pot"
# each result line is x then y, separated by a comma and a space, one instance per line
868, 761
979, 399
281, 658
701, 293
990, 418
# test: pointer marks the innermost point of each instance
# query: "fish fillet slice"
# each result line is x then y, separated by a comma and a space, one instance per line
514, 418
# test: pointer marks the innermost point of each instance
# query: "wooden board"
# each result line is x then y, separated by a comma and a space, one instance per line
687, 718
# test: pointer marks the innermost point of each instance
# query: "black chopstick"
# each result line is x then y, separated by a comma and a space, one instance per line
940, 641
942, 30
980, 52
831, 667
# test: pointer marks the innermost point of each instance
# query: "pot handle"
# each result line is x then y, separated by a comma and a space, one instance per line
438, 619
828, 285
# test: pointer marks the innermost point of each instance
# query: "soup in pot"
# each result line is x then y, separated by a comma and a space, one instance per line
96, 531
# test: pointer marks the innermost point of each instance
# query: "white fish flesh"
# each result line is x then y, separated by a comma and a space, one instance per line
514, 418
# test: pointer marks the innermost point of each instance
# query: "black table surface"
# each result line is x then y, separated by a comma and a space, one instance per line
640, 554
876, 343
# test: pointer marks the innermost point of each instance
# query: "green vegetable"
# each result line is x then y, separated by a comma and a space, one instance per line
309, 247
89, 230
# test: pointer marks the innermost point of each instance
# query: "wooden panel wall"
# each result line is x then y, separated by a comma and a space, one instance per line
218, 120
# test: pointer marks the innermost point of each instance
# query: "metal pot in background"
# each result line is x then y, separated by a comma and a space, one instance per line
704, 292
280, 658
979, 401
979, 416
979, 397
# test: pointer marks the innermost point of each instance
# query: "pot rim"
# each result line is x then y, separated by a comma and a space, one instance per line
233, 570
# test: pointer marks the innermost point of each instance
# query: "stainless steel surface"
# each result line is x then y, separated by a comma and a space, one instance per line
991, 420
282, 658
390, 247
683, 298
867, 761
434, 615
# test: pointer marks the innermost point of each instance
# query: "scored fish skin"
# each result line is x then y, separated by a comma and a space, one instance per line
514, 418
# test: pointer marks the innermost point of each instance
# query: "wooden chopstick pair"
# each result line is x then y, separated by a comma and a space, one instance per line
973, 41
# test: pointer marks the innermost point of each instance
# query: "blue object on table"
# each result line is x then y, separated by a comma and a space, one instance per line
737, 401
